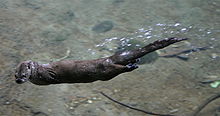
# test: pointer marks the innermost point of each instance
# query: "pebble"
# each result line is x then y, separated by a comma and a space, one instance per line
214, 55
7, 103
174, 110
212, 76
94, 98
103, 27
69, 15
115, 90
116, 2
49, 110
76, 102
119, 1
89, 101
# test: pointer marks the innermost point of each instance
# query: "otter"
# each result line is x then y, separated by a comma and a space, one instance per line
71, 71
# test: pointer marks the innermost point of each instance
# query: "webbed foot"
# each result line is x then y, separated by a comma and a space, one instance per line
131, 66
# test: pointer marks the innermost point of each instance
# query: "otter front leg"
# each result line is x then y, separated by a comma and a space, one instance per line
117, 69
127, 68
131, 67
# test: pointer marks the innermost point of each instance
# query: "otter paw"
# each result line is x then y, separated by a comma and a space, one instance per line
131, 66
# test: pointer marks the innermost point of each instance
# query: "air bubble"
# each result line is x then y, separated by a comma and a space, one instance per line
177, 24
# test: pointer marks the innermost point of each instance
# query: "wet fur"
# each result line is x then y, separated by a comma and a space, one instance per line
71, 71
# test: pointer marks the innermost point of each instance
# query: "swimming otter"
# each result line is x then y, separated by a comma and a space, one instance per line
70, 71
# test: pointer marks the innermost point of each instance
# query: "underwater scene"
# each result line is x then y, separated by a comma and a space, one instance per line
179, 80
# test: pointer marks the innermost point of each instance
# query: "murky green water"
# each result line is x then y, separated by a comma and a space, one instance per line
44, 31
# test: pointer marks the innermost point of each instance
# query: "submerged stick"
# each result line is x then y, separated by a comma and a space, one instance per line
205, 103
133, 108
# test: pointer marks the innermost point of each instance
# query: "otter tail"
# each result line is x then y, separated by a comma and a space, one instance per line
127, 57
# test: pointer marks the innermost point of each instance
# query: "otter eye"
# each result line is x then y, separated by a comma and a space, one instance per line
23, 75
28, 66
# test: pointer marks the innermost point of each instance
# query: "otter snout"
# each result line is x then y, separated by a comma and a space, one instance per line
20, 81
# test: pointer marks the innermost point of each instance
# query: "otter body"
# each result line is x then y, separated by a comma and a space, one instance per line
70, 71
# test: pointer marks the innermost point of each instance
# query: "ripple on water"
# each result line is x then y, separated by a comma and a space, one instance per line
199, 37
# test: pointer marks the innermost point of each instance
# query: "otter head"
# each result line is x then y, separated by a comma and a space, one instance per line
23, 71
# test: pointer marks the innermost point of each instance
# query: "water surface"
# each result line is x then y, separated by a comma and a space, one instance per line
45, 30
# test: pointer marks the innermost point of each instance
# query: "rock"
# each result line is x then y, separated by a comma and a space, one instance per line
89, 101
33, 4
118, 1
103, 27
68, 16
214, 55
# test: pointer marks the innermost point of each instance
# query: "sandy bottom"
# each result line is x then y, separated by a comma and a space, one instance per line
44, 31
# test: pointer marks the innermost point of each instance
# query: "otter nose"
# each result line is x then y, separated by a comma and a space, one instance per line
19, 81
